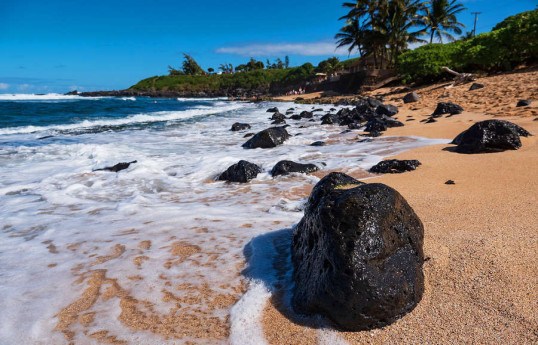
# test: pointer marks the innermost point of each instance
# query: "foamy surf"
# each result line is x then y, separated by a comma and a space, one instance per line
154, 254
130, 120
201, 99
41, 97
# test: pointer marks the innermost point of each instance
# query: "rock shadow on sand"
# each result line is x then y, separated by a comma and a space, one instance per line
268, 259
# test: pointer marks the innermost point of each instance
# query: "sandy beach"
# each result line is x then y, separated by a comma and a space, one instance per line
480, 234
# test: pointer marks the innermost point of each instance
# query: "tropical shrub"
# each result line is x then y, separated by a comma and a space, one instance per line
514, 41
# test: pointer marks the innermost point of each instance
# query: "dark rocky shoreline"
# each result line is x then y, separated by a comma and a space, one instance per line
148, 93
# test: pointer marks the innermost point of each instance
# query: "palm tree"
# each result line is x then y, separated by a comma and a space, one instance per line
440, 18
395, 25
350, 35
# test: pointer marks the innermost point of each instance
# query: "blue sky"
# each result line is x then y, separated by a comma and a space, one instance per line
57, 46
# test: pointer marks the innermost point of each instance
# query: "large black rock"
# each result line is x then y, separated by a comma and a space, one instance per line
239, 126
272, 110
242, 171
447, 108
394, 166
270, 137
490, 136
288, 167
357, 256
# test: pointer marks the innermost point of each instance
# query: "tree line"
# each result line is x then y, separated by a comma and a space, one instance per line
189, 66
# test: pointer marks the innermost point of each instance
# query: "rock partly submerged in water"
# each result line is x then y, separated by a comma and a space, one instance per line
287, 167
394, 166
490, 136
239, 126
268, 138
117, 167
357, 255
241, 171
278, 116
272, 110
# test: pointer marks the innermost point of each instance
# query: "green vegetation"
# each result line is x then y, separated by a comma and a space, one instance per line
250, 79
381, 29
512, 42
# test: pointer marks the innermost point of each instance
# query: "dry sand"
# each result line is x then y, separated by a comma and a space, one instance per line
480, 234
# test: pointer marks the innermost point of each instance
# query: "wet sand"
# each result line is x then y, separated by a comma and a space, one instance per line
480, 234
480, 238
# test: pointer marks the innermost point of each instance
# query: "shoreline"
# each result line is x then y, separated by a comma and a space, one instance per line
480, 234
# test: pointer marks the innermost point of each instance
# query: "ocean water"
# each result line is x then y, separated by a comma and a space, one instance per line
159, 253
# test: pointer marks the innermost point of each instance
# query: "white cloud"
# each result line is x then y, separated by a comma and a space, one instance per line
276, 49
3, 86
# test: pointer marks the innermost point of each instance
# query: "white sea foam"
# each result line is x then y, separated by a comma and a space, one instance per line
41, 97
201, 99
134, 119
59, 217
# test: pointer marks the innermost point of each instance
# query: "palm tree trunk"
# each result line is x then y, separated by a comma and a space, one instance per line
431, 37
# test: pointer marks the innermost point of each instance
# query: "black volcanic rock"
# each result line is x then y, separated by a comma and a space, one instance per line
296, 117
239, 126
490, 136
394, 166
268, 138
476, 86
242, 171
278, 116
118, 167
447, 108
329, 119
523, 103
326, 185
288, 167
357, 256
380, 124
411, 97
375, 125
317, 143
387, 109
373, 102
272, 110
307, 114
